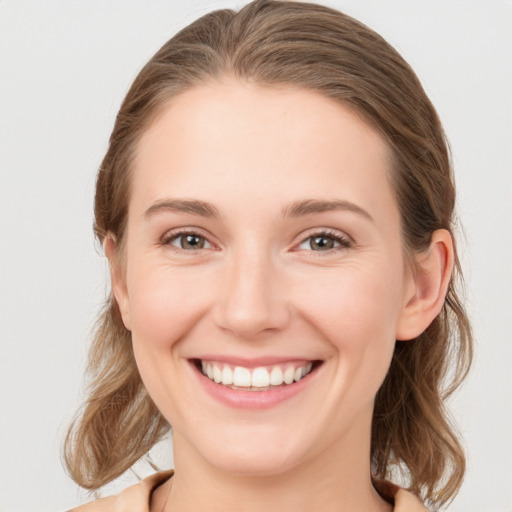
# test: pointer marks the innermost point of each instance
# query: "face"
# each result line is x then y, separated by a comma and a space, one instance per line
263, 276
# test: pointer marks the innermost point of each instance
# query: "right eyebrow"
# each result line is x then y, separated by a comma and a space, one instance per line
193, 207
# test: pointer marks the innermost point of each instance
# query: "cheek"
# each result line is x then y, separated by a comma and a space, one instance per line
165, 305
165, 308
355, 306
356, 314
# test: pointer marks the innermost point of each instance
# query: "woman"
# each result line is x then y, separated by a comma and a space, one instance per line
276, 206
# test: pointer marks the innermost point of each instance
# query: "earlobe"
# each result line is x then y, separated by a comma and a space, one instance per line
428, 287
117, 278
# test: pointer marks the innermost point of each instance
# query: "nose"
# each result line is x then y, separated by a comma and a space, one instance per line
252, 302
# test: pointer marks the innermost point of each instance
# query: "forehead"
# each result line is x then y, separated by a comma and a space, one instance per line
280, 142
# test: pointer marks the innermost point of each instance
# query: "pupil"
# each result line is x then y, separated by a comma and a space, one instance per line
322, 243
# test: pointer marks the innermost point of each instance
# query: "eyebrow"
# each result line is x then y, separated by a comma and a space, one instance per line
193, 207
295, 209
309, 206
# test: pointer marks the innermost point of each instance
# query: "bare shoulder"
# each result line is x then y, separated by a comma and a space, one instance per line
100, 505
133, 499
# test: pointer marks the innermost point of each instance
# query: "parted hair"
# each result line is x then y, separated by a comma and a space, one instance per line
275, 43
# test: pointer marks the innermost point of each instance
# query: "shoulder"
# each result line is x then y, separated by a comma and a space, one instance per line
136, 497
404, 500
408, 502
133, 499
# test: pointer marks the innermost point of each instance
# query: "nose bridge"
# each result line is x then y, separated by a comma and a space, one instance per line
252, 302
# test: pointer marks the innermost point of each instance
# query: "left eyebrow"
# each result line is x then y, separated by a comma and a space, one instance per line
309, 206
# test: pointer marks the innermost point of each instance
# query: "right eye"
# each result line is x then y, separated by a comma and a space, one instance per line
188, 241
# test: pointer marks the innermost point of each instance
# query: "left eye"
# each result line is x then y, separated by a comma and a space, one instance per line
323, 242
189, 241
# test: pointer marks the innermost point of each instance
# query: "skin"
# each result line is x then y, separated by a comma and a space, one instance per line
258, 287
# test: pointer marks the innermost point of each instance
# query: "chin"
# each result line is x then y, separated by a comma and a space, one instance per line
255, 464
251, 455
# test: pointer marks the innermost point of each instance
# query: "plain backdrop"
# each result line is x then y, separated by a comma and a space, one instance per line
64, 69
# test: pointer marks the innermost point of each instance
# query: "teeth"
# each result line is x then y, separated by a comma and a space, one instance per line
227, 376
276, 376
242, 377
288, 375
217, 374
260, 377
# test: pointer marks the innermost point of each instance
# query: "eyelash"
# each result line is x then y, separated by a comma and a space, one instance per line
343, 241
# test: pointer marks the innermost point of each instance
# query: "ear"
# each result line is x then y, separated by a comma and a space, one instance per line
117, 278
428, 283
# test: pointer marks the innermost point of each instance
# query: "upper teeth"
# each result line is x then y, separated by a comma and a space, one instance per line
260, 377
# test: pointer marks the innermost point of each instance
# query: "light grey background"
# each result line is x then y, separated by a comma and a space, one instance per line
64, 68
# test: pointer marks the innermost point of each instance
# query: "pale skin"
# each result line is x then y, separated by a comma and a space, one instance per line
298, 255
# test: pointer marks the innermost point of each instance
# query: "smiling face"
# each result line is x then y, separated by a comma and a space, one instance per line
262, 275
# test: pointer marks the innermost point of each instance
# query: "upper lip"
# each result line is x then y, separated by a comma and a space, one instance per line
253, 362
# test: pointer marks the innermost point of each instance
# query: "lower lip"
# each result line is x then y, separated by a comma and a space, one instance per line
253, 399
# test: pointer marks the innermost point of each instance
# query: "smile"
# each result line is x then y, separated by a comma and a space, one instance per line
262, 378
260, 383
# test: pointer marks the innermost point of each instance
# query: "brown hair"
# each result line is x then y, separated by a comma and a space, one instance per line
320, 49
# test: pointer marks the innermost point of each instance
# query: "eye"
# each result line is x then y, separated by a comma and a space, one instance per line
324, 241
188, 241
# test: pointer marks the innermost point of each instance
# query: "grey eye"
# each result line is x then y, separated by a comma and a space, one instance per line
319, 243
324, 242
189, 241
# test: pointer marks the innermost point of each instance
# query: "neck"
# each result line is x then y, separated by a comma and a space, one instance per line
338, 479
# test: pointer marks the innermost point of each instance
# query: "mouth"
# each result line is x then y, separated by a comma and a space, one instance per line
260, 378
